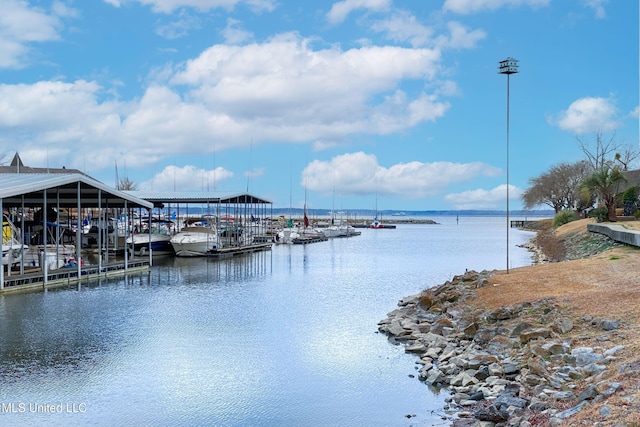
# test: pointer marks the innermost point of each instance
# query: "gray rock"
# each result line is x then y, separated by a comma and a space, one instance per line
416, 348
531, 334
556, 348
571, 411
491, 413
562, 325
470, 330
613, 350
483, 373
589, 393
585, 355
609, 325
563, 395
520, 327
478, 395
506, 400
609, 388
510, 368
593, 369
434, 377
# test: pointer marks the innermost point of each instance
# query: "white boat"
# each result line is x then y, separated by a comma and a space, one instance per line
57, 256
287, 235
342, 230
157, 237
197, 238
97, 229
59, 249
12, 247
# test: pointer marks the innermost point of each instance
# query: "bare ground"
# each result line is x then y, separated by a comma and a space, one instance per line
605, 286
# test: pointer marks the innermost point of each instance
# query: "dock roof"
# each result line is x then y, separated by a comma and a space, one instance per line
62, 190
159, 198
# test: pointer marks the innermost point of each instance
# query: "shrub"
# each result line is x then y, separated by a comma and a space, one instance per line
600, 214
564, 217
631, 195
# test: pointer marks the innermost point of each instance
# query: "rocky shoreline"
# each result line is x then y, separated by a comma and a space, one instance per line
521, 365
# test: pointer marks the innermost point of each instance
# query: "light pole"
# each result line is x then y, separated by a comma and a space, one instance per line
508, 66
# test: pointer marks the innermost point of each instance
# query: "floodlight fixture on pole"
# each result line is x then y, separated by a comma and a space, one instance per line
508, 66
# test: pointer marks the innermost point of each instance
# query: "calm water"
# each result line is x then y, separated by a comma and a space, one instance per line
280, 338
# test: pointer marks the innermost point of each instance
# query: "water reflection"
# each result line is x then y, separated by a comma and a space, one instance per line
190, 271
282, 337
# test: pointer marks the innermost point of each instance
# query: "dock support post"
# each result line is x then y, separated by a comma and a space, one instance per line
126, 235
79, 234
44, 266
8, 266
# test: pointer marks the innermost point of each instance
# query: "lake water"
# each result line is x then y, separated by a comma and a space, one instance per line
286, 337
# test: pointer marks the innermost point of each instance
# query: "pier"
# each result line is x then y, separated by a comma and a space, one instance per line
522, 223
239, 250
35, 281
304, 240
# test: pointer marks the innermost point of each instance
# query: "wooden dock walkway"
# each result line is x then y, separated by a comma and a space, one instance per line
305, 240
522, 223
34, 280
239, 250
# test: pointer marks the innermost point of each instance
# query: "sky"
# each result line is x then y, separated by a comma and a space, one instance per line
353, 104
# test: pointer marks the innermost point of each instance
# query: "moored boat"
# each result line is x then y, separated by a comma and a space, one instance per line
156, 237
197, 238
12, 247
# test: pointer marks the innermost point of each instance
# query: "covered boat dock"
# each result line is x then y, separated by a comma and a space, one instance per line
24, 188
232, 211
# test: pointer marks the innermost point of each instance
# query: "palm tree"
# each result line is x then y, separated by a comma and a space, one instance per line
605, 183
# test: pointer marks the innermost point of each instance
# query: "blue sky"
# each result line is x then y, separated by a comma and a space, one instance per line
351, 104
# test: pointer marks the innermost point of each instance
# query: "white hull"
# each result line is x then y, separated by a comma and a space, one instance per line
340, 231
33, 256
195, 241
12, 253
160, 244
12, 249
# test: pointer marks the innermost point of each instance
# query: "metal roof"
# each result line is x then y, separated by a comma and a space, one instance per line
17, 189
159, 198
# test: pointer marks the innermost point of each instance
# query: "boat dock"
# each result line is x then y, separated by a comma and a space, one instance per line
522, 223
304, 240
239, 250
34, 280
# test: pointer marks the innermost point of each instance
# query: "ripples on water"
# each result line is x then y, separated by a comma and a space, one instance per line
284, 337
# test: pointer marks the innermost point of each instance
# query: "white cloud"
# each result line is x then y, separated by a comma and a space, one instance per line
22, 25
460, 37
467, 7
403, 26
178, 28
635, 113
234, 34
484, 199
186, 178
281, 90
168, 6
255, 172
285, 85
340, 10
588, 115
598, 7
360, 173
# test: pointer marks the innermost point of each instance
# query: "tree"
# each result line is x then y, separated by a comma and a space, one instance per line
627, 156
125, 184
603, 149
605, 183
558, 188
